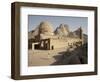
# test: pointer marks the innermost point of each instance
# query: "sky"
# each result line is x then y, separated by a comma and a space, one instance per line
73, 22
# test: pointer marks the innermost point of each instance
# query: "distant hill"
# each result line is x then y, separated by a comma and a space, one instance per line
47, 29
62, 30
33, 33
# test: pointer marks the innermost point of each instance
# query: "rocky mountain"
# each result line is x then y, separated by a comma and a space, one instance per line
75, 33
33, 33
45, 28
62, 30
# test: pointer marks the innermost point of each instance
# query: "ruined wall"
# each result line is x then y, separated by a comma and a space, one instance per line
63, 43
58, 43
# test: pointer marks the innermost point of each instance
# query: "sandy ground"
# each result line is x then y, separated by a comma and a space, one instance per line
44, 57
62, 56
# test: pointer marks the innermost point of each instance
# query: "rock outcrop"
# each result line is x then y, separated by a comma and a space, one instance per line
62, 30
45, 28
33, 33
77, 33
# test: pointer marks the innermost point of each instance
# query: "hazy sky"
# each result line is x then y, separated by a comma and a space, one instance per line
72, 22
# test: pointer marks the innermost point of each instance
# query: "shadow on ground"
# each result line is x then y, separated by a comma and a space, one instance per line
76, 56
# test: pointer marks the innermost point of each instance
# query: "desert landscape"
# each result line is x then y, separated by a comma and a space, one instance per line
61, 46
